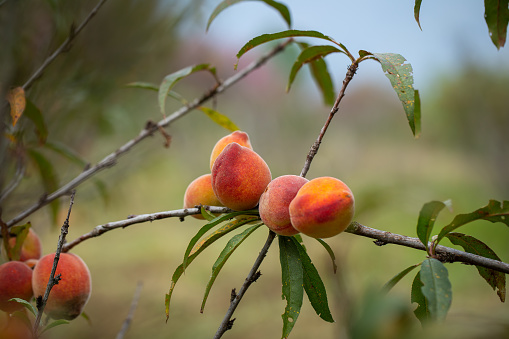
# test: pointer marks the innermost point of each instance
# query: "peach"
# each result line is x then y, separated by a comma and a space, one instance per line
275, 202
239, 137
15, 282
12, 327
322, 208
200, 192
239, 177
31, 248
68, 298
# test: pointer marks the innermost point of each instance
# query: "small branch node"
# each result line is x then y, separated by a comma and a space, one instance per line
229, 326
233, 295
380, 242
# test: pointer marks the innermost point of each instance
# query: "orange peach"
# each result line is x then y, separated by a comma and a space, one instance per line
239, 137
200, 192
31, 248
68, 298
275, 202
239, 177
15, 282
13, 327
322, 208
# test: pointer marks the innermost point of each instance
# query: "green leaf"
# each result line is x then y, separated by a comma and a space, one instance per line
171, 79
421, 312
394, 280
153, 87
261, 39
331, 254
417, 10
496, 14
310, 55
495, 211
228, 250
292, 280
206, 214
472, 245
218, 118
48, 176
402, 80
427, 218
200, 247
20, 232
313, 285
66, 152
436, 288
33, 113
281, 8
26, 304
55, 324
216, 221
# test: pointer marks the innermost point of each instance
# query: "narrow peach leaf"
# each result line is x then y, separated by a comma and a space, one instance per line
17, 101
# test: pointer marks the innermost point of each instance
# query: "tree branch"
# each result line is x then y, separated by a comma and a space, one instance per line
132, 309
111, 159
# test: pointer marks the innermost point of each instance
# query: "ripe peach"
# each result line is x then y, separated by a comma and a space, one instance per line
239, 177
200, 192
323, 207
12, 327
239, 137
68, 298
275, 202
15, 282
31, 248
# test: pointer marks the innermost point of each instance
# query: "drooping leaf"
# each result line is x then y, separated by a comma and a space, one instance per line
417, 10
228, 250
310, 54
220, 119
394, 280
313, 285
436, 288
281, 8
55, 323
331, 254
17, 101
292, 280
66, 152
171, 79
216, 221
322, 77
261, 39
495, 211
102, 190
199, 248
48, 176
496, 14
422, 311
33, 113
206, 214
26, 304
470, 244
20, 232
154, 87
427, 217
402, 80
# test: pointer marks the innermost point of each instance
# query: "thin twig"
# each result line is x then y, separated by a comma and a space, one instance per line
251, 277
64, 47
41, 300
20, 172
132, 309
111, 159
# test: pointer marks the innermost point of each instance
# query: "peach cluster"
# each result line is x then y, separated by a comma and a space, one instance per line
240, 179
29, 276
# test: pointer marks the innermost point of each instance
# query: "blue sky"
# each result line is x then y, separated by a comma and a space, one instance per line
453, 31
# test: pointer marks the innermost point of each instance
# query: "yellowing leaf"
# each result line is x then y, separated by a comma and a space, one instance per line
17, 101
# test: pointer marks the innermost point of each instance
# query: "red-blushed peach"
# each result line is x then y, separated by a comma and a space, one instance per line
13, 327
200, 192
239, 137
15, 282
322, 208
31, 248
275, 202
239, 177
68, 298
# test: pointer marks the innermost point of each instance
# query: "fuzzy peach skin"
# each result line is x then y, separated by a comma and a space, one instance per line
68, 298
31, 248
239, 177
200, 192
322, 208
275, 202
239, 137
15, 282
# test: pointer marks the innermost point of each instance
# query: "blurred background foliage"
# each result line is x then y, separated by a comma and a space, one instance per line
462, 155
